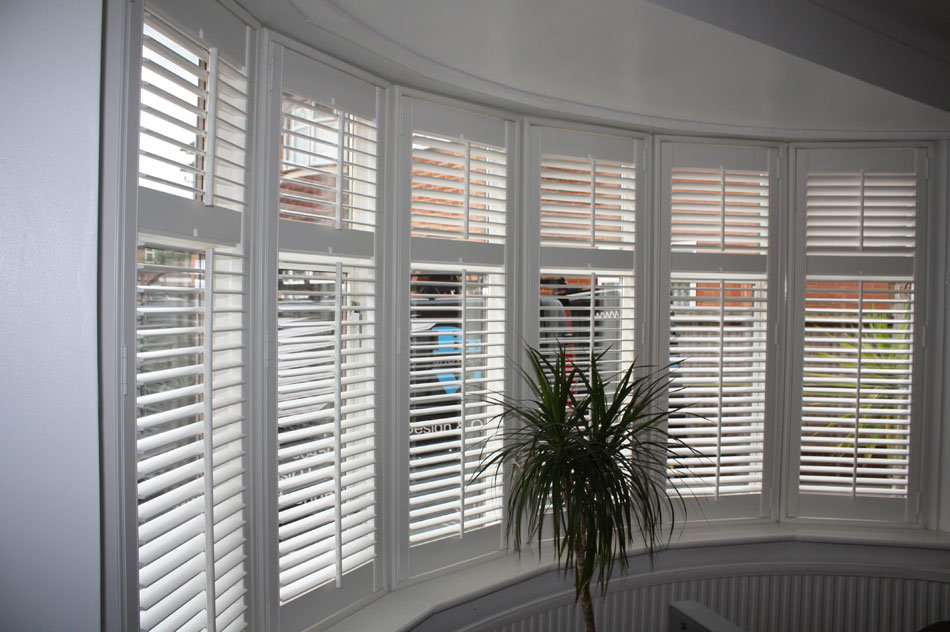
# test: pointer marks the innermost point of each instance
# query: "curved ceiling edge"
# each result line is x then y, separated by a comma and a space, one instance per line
334, 31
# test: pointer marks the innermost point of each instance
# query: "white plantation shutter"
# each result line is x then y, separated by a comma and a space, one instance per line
588, 314
717, 349
193, 119
587, 194
191, 332
326, 403
718, 200
860, 209
328, 165
456, 184
862, 213
325, 421
587, 202
719, 210
856, 393
459, 189
457, 355
190, 376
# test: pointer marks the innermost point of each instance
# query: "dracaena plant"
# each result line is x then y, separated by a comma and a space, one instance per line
587, 456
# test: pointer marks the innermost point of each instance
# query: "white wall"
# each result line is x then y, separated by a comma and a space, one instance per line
49, 452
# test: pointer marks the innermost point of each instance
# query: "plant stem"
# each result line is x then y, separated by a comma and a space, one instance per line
580, 551
588, 610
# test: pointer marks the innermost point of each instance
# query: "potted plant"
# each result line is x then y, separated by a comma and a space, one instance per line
587, 453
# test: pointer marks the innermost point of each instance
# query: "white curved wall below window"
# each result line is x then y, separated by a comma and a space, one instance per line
777, 586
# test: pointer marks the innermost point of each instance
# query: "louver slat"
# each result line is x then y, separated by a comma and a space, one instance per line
861, 212
717, 353
326, 421
328, 165
719, 210
458, 189
188, 90
587, 203
190, 462
856, 392
456, 362
605, 326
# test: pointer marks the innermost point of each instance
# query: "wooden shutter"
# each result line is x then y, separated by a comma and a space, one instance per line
326, 421
589, 314
457, 356
718, 329
719, 208
587, 202
327, 165
860, 208
586, 199
193, 119
326, 402
190, 376
459, 189
861, 212
856, 393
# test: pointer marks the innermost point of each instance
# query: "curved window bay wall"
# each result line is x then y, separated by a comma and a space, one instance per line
326, 277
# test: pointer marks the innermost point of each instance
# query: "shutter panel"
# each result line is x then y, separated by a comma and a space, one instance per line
326, 420
173, 115
456, 363
190, 429
861, 212
459, 189
587, 187
193, 119
328, 165
720, 210
717, 352
856, 394
719, 206
860, 209
587, 202
567, 310
230, 137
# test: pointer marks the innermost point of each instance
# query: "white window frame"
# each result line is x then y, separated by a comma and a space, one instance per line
583, 142
750, 155
130, 214
310, 74
421, 111
893, 511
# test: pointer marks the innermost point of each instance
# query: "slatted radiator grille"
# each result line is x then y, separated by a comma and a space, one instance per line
791, 602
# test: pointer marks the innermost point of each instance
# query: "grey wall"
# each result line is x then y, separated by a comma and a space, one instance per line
49, 453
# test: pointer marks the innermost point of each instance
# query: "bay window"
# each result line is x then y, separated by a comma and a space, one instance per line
325, 279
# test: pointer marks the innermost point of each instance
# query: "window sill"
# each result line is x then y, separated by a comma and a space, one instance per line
404, 608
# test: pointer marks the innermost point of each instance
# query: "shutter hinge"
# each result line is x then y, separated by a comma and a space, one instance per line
266, 351
915, 505
270, 71
927, 169
124, 370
